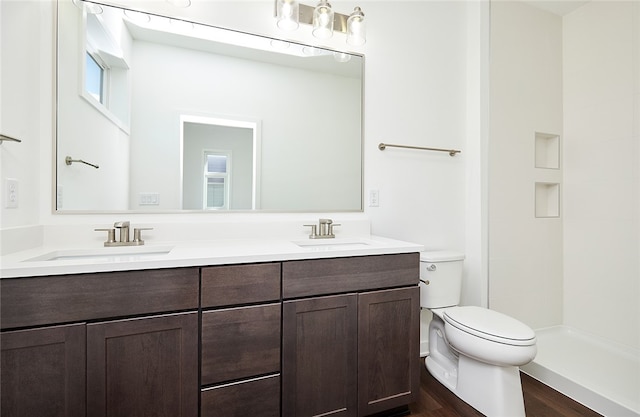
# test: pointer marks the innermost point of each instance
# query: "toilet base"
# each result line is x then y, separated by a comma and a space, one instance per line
495, 391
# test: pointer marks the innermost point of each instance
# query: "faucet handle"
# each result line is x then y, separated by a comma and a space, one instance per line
331, 226
111, 235
137, 234
314, 230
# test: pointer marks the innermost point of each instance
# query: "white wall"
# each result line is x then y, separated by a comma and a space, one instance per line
525, 252
602, 165
25, 106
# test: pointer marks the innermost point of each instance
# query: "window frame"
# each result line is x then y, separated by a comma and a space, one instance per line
226, 176
104, 78
90, 46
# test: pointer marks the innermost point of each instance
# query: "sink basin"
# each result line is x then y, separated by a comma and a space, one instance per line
333, 244
119, 253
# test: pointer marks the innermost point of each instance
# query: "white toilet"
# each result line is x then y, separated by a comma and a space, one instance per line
473, 351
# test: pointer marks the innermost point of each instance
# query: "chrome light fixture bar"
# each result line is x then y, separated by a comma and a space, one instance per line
290, 13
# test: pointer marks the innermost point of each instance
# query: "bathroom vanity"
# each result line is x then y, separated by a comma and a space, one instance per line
304, 333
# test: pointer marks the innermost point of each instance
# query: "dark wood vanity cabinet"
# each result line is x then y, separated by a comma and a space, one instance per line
77, 356
302, 338
351, 354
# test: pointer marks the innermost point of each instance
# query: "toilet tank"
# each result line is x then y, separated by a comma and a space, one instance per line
440, 279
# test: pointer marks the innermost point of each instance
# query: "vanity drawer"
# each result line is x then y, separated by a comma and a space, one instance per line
240, 342
255, 397
240, 284
37, 301
338, 275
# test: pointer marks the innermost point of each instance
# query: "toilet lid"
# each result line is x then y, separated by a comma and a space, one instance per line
441, 256
490, 325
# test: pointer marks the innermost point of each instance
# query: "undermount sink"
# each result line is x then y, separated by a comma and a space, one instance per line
122, 253
333, 244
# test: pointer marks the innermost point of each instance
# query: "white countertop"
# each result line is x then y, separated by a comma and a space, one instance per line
154, 255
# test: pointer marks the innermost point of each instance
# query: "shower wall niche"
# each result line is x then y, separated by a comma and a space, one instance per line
547, 150
547, 199
547, 166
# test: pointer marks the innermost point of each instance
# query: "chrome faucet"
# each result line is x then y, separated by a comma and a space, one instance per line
322, 230
124, 231
123, 238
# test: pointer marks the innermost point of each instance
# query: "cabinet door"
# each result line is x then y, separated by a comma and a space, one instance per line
319, 356
388, 349
143, 367
43, 372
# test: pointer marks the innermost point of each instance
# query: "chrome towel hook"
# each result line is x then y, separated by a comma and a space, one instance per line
68, 160
9, 138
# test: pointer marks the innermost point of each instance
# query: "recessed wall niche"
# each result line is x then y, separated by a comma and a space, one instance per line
547, 199
547, 150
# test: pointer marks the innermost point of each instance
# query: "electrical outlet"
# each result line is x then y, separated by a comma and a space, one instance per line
149, 199
374, 198
11, 193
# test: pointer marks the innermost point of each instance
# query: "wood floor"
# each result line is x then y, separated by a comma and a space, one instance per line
539, 401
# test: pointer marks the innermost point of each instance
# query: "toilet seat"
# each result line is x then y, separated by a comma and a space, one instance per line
489, 325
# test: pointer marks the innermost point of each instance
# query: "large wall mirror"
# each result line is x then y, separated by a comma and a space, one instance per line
163, 115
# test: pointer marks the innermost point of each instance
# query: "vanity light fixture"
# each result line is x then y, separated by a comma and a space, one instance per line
356, 30
287, 13
323, 17
290, 13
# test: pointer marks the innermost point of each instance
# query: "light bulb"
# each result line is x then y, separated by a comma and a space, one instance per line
356, 30
287, 12
323, 20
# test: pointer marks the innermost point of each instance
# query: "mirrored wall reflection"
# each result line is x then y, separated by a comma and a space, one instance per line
220, 156
157, 104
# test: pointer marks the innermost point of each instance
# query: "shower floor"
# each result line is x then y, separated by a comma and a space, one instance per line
591, 370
